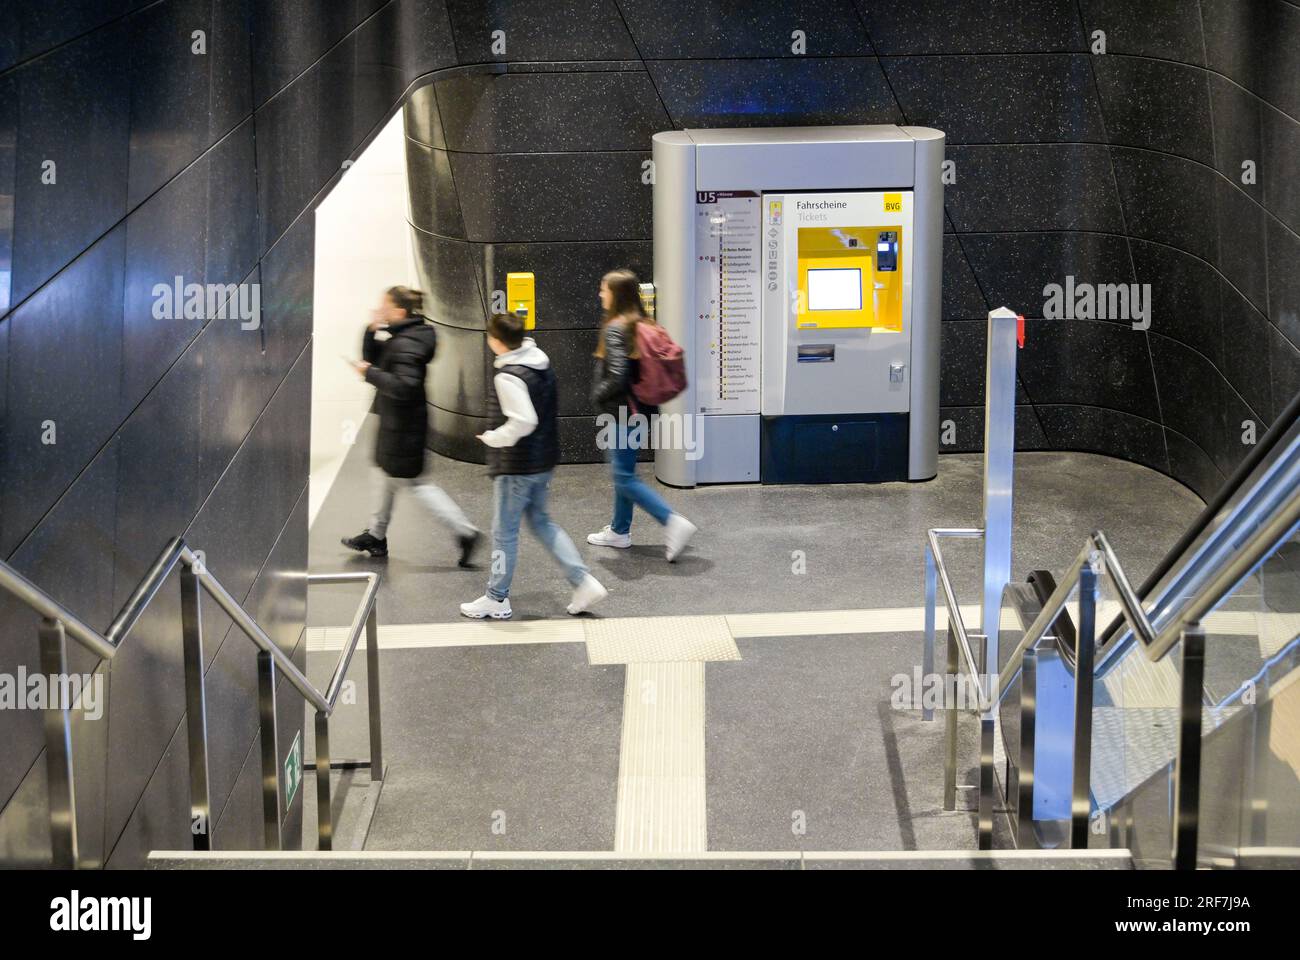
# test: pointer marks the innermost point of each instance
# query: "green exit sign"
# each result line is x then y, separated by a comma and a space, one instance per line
293, 771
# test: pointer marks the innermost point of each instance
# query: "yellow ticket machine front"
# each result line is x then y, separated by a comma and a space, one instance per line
837, 337
849, 277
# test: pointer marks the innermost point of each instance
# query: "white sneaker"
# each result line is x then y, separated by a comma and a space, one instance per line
589, 592
677, 533
485, 607
608, 538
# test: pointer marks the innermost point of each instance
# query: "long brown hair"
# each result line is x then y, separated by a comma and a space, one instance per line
627, 307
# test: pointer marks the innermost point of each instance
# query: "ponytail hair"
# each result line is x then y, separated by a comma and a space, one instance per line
405, 298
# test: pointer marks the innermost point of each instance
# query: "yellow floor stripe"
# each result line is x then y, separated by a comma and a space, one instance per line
1274, 629
469, 633
661, 806
659, 639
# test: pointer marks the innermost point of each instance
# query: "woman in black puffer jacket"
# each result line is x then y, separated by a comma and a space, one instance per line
617, 368
398, 345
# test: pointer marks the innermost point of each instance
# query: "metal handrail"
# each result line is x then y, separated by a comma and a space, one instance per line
366, 619
1094, 560
359, 621
50, 609
1262, 675
1157, 643
1096, 550
145, 590
955, 622
1266, 490
58, 623
1269, 450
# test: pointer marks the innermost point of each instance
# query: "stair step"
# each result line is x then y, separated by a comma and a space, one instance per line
613, 860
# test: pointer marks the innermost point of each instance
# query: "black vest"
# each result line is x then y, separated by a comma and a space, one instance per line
540, 450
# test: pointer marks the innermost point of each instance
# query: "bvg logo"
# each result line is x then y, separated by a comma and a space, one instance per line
893, 203
75, 913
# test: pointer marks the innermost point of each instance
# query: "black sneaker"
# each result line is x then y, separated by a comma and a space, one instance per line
467, 545
365, 543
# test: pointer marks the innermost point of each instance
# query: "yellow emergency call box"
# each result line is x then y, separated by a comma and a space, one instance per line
521, 297
850, 277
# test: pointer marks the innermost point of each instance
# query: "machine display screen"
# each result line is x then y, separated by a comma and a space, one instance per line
835, 289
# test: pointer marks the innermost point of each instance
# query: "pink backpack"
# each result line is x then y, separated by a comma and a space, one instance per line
663, 365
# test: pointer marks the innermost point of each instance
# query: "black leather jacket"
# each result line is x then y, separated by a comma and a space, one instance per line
614, 374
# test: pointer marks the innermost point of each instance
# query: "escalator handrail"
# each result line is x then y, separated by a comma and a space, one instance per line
1261, 499
1156, 643
1213, 508
1097, 553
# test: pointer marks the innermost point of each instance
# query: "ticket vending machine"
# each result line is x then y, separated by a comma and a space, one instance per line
800, 268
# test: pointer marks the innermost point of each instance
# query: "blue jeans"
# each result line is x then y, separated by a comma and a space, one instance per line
630, 490
513, 498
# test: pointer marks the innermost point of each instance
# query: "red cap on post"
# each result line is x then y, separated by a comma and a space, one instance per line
1020, 330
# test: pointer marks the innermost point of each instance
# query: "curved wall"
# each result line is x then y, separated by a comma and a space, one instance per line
168, 163
1115, 168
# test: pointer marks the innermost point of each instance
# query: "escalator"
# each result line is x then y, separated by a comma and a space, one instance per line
1250, 748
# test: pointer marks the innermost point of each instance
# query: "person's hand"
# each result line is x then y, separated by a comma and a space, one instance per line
361, 367
479, 437
377, 321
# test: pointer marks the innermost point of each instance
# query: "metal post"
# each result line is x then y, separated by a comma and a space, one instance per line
1084, 659
372, 686
1187, 765
950, 724
999, 463
1025, 776
985, 821
58, 750
1121, 819
196, 710
271, 816
324, 811
1256, 783
927, 655
986, 782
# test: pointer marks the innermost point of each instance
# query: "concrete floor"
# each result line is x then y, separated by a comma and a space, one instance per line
860, 545
517, 747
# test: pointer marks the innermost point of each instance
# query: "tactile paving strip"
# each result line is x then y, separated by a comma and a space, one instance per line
659, 640
661, 806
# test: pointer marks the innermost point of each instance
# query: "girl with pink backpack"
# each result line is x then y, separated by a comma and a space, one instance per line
638, 367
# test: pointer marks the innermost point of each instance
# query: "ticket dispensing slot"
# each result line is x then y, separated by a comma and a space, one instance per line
816, 353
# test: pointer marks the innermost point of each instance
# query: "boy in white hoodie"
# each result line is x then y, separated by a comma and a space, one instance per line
523, 448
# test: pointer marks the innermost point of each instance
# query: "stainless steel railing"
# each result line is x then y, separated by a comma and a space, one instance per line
58, 623
1095, 560
365, 619
1259, 499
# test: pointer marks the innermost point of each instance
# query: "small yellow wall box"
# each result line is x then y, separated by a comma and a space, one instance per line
521, 297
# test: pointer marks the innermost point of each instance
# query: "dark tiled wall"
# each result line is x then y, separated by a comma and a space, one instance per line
168, 163
1117, 168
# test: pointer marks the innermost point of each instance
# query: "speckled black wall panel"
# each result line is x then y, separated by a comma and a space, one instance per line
1122, 167
1116, 167
168, 162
